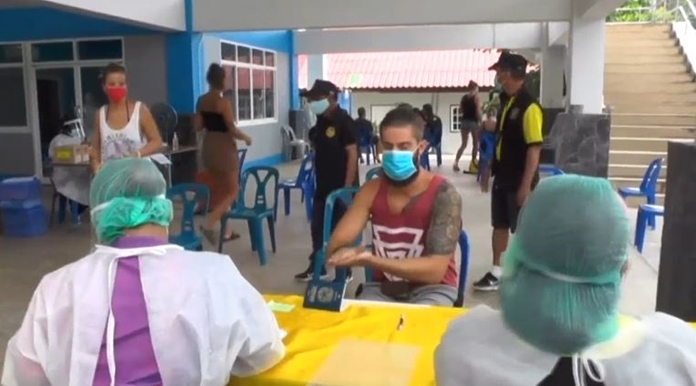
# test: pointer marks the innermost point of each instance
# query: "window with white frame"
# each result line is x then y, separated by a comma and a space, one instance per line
455, 119
13, 108
250, 76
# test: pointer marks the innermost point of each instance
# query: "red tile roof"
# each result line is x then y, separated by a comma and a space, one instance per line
415, 69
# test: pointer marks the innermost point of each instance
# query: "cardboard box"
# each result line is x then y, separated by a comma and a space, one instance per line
77, 154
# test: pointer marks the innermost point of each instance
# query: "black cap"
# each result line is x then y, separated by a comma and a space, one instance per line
320, 88
510, 62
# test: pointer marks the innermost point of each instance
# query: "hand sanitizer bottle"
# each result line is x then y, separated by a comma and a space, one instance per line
175, 143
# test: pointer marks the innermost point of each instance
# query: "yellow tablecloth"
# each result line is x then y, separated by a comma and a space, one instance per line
359, 332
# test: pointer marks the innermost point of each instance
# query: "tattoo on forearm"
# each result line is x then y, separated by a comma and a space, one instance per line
445, 223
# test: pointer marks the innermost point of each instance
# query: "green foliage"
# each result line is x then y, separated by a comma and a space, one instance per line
640, 11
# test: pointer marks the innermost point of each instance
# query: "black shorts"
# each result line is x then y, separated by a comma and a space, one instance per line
504, 208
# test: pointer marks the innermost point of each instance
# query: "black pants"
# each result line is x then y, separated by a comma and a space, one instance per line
504, 208
319, 205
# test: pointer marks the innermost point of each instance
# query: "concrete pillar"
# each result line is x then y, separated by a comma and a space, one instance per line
586, 40
552, 68
676, 287
315, 69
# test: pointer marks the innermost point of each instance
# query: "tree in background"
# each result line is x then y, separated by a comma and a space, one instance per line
641, 11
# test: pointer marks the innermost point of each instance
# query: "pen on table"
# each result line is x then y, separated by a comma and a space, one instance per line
401, 323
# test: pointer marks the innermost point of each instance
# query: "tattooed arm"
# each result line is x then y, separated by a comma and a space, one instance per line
440, 242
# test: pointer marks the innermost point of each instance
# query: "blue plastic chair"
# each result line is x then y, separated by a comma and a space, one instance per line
303, 175
486, 151
463, 268
346, 196
191, 195
647, 188
373, 173
309, 187
256, 213
646, 212
241, 153
550, 169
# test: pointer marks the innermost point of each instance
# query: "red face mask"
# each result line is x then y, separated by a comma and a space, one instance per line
116, 94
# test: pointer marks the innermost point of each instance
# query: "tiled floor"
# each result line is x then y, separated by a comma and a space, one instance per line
24, 262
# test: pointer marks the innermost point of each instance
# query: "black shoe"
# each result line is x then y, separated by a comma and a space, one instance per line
487, 283
307, 274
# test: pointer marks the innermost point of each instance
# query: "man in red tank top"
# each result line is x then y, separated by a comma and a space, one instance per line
416, 220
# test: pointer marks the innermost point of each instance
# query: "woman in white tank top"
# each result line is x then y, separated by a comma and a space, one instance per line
123, 128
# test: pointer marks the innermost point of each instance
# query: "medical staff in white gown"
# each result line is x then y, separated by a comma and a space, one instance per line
139, 310
559, 322
70, 181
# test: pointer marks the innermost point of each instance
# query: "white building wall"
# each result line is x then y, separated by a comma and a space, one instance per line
377, 104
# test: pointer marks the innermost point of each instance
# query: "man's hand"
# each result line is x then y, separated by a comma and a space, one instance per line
485, 180
247, 140
349, 257
522, 194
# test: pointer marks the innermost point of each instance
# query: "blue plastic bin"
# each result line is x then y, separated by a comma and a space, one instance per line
20, 189
24, 222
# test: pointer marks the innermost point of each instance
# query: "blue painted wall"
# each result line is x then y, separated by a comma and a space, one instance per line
40, 23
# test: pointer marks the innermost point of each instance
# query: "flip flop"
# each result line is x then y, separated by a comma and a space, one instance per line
232, 236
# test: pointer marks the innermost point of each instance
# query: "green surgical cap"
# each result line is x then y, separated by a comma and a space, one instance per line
562, 270
125, 194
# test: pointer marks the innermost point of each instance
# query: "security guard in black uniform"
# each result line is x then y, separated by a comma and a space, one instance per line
516, 162
335, 161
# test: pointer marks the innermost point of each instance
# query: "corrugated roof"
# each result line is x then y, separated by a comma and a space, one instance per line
415, 69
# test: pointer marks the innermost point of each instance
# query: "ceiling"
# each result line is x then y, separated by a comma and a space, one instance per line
19, 3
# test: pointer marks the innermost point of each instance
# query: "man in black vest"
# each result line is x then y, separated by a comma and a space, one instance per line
516, 162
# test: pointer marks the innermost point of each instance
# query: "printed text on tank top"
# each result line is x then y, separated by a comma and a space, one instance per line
400, 229
120, 143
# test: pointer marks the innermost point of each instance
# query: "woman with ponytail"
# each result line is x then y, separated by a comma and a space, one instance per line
123, 127
559, 323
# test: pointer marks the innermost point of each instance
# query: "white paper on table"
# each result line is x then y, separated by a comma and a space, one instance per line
160, 159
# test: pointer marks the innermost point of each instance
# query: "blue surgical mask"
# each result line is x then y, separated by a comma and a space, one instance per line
399, 165
319, 107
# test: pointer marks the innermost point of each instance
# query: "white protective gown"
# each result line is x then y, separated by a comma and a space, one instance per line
479, 350
72, 182
206, 321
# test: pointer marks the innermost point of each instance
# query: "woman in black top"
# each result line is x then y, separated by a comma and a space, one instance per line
220, 158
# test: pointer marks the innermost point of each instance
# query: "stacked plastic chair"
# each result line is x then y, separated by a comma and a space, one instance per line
22, 211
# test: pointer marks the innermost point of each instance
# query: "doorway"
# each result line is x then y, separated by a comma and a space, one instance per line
55, 94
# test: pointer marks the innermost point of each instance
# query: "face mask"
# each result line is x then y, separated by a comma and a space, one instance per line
400, 166
319, 107
116, 94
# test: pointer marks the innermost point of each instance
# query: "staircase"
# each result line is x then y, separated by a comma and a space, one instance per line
652, 94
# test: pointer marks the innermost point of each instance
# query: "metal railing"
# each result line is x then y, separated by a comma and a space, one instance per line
658, 11
685, 32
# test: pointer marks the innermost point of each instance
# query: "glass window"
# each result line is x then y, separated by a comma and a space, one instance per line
13, 110
257, 57
11, 53
52, 52
258, 94
243, 54
269, 91
455, 119
230, 91
229, 52
270, 59
100, 49
244, 93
